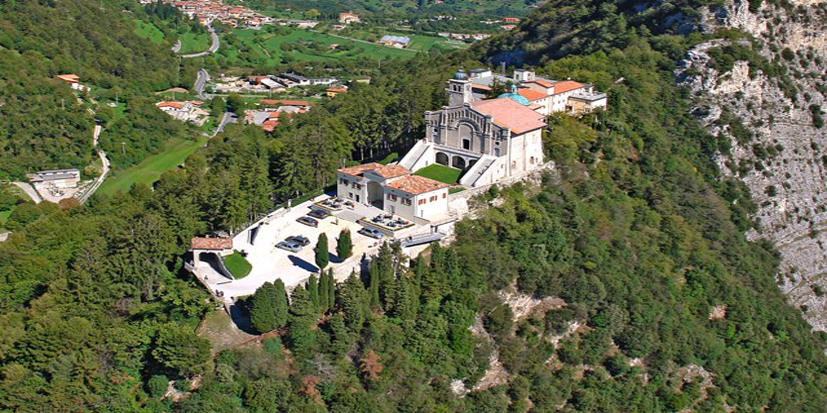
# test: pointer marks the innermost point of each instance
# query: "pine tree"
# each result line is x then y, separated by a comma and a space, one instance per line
384, 271
324, 291
322, 252
342, 338
263, 308
373, 286
302, 318
313, 289
353, 301
344, 245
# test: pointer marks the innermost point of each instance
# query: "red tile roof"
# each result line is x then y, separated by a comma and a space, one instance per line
566, 86
531, 94
510, 114
358, 170
212, 243
270, 125
176, 105
392, 171
69, 78
416, 185
541, 82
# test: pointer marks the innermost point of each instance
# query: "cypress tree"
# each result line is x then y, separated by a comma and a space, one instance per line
331, 294
282, 304
313, 289
324, 291
344, 245
322, 253
302, 318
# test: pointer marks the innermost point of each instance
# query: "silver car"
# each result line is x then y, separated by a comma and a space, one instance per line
289, 246
371, 232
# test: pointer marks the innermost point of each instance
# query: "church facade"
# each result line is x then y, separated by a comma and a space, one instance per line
487, 139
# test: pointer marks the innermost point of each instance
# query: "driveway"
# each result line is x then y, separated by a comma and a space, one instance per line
30, 191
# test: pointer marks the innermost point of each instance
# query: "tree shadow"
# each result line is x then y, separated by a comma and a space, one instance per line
240, 315
334, 258
303, 264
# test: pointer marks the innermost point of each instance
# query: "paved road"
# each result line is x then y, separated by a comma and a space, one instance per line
106, 167
29, 190
200, 82
177, 47
212, 49
228, 117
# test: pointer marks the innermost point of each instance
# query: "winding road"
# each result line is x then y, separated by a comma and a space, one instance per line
105, 165
200, 82
211, 50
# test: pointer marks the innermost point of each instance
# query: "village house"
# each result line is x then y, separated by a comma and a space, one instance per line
348, 18
73, 81
187, 111
399, 42
58, 178
332, 92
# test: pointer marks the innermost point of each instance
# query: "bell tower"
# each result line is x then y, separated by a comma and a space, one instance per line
459, 90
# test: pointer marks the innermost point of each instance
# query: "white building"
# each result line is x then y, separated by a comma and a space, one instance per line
487, 139
393, 189
58, 178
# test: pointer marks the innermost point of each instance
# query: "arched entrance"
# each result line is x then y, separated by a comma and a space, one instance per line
442, 158
459, 162
376, 194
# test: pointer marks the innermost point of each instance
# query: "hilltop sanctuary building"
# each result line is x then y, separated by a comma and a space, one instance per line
487, 139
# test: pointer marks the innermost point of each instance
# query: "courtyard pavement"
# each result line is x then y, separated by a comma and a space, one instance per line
271, 263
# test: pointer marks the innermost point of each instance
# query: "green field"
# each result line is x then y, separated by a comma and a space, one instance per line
418, 42
4, 216
149, 31
440, 173
238, 266
194, 42
267, 47
174, 153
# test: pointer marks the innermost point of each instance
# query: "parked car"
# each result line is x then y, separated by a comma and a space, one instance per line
319, 214
298, 239
289, 246
370, 232
308, 221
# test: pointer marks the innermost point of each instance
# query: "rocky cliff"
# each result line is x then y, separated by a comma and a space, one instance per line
762, 95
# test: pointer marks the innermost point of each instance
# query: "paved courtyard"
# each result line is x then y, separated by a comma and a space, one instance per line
271, 263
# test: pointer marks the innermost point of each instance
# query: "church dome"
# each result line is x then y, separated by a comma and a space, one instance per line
460, 75
513, 95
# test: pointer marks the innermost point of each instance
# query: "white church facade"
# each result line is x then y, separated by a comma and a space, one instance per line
487, 139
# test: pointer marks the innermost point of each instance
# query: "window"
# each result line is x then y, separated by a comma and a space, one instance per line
357, 186
392, 197
422, 202
344, 181
406, 201
444, 194
433, 198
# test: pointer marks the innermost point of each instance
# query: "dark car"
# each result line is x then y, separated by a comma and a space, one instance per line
319, 213
370, 232
289, 246
298, 239
308, 221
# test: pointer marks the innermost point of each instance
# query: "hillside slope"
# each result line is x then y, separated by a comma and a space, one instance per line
42, 124
765, 103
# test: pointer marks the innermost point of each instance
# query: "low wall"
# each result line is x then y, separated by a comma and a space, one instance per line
511, 180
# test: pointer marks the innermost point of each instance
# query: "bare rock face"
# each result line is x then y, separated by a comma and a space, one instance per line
764, 110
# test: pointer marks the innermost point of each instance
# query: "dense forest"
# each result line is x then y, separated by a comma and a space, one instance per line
661, 303
42, 123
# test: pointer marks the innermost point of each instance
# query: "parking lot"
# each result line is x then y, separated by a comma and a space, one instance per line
271, 263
